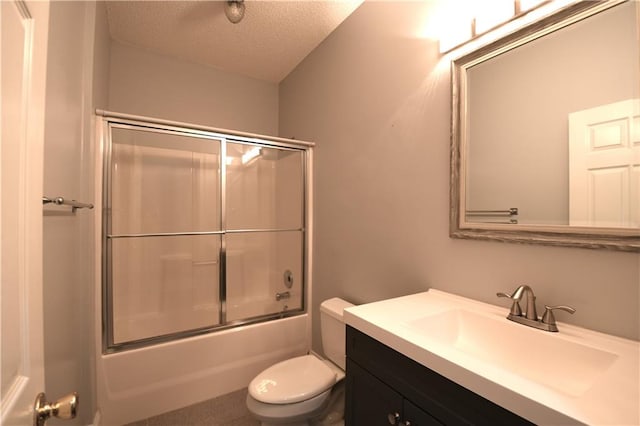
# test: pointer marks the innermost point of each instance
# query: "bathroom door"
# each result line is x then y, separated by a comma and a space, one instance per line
604, 165
24, 52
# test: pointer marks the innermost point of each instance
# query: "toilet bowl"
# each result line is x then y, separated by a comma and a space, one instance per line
306, 390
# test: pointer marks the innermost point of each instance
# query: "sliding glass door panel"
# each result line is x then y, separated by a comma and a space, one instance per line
259, 267
163, 182
164, 285
265, 187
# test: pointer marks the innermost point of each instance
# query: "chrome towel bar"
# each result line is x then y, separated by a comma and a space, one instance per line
511, 212
510, 215
62, 202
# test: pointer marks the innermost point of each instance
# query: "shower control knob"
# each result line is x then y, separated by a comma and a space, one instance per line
288, 278
393, 418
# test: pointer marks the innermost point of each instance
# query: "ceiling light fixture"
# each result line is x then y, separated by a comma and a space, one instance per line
234, 9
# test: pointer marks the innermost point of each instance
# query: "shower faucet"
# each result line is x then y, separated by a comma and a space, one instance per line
283, 295
530, 316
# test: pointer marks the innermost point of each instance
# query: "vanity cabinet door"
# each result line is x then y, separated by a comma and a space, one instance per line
414, 416
368, 400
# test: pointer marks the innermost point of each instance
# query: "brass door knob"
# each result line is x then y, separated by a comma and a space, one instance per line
64, 408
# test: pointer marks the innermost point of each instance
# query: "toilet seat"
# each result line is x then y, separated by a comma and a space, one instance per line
291, 381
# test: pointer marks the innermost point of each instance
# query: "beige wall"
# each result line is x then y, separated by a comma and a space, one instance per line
145, 83
101, 57
375, 98
73, 91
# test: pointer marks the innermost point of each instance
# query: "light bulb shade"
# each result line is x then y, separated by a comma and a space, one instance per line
234, 9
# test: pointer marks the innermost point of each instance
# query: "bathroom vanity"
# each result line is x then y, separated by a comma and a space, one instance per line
436, 358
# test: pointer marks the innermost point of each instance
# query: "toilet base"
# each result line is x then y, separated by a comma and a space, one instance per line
330, 413
326, 422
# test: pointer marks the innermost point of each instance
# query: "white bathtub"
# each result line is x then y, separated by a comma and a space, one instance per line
141, 383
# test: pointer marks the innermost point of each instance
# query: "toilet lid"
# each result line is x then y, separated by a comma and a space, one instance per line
293, 380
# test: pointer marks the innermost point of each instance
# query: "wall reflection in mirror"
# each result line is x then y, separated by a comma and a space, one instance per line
551, 127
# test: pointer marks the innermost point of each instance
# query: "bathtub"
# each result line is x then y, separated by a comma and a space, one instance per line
145, 382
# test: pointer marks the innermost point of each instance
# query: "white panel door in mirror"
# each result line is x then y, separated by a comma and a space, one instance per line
604, 158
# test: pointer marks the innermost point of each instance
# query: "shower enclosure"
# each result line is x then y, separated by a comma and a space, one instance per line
202, 230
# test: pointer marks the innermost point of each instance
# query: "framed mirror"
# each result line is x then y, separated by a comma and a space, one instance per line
545, 144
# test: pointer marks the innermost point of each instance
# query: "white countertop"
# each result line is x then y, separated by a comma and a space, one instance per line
612, 396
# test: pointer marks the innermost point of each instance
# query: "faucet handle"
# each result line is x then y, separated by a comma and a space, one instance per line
549, 318
515, 306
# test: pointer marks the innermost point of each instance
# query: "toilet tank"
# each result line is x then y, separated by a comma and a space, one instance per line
332, 329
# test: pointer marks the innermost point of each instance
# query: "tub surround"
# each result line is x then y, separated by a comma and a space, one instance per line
429, 327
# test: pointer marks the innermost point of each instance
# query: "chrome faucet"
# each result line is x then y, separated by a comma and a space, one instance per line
524, 290
530, 316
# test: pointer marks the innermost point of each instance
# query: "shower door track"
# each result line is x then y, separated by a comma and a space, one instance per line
222, 135
180, 234
204, 130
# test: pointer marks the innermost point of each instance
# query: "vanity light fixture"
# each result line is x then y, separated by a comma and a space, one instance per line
488, 23
492, 14
234, 9
525, 5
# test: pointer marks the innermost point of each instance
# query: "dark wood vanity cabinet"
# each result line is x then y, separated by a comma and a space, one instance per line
384, 387
371, 402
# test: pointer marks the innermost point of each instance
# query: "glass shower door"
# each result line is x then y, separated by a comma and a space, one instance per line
163, 233
202, 231
264, 230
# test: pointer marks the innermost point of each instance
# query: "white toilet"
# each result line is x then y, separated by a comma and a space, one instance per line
306, 390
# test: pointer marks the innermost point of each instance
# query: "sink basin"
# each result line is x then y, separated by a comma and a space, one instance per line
539, 356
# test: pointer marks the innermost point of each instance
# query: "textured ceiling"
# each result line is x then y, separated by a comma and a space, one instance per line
267, 44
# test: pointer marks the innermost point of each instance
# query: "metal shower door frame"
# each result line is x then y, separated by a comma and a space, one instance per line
109, 120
